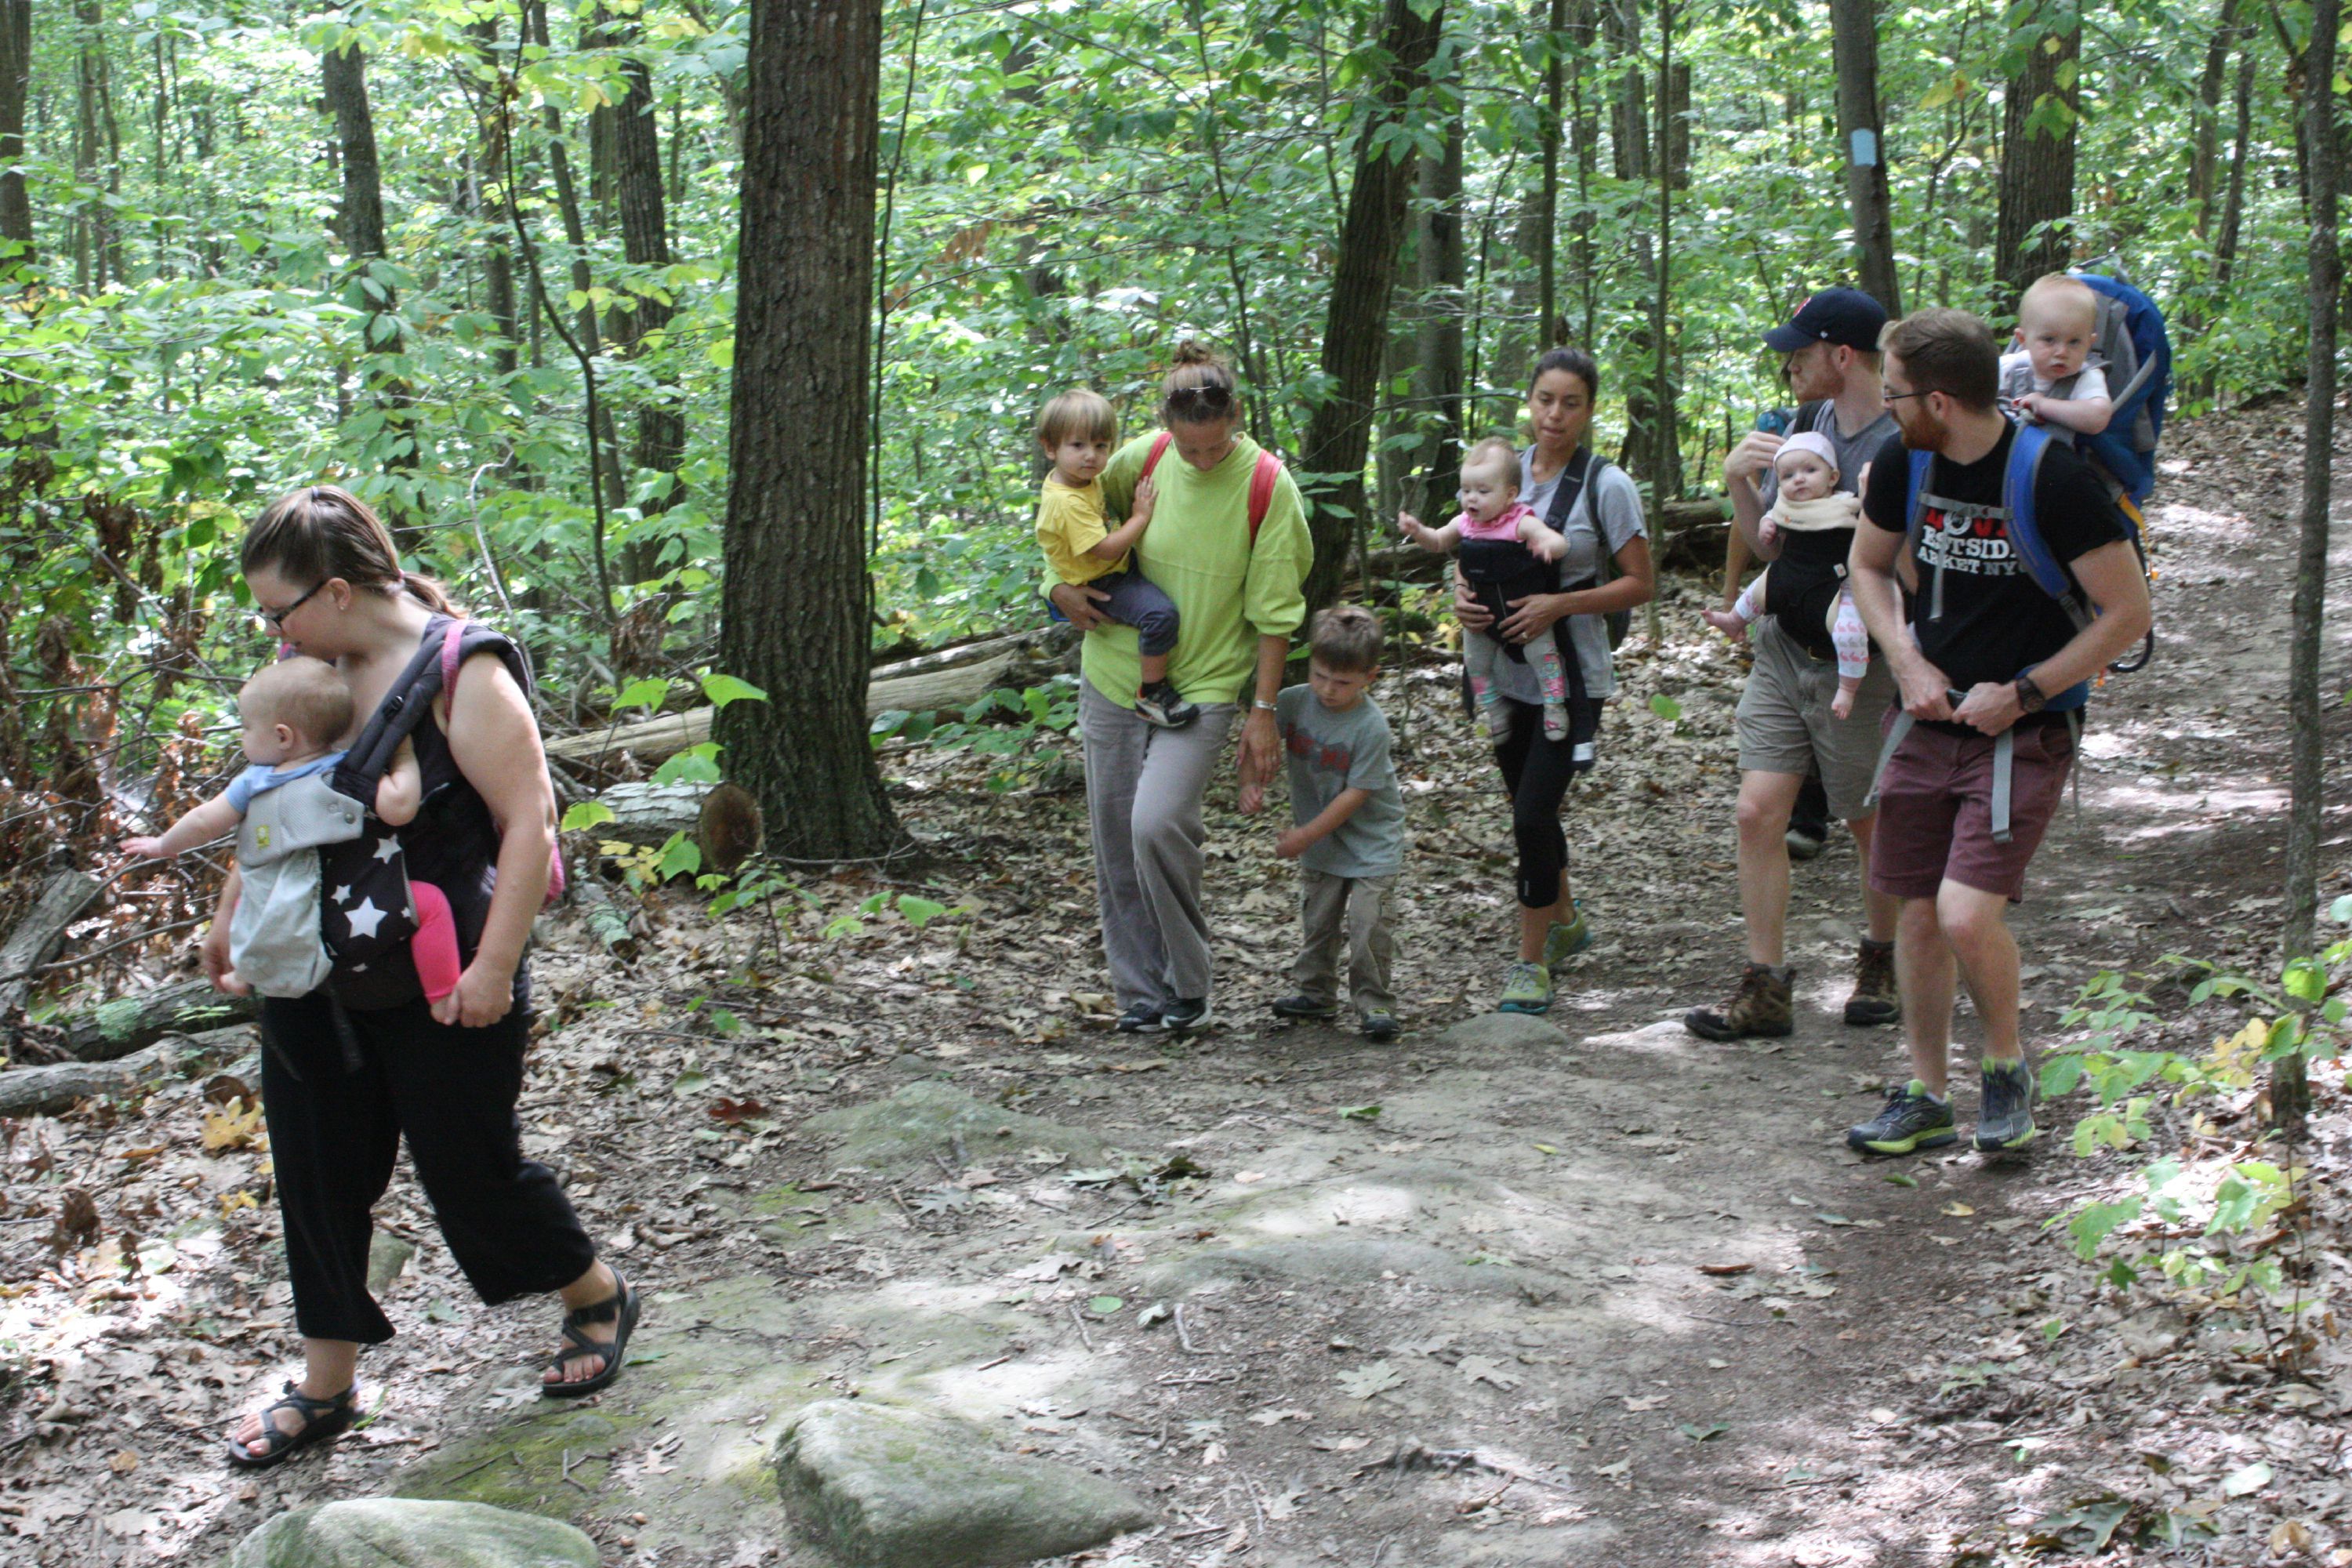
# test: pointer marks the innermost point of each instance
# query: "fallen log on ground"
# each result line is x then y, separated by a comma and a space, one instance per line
41, 932
951, 679
117, 1027
45, 1090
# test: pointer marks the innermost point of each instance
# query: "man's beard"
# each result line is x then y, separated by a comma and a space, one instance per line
1922, 431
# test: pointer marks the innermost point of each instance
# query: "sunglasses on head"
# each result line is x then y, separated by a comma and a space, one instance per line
1207, 396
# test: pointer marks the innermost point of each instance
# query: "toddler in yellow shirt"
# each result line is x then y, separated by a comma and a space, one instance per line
1079, 432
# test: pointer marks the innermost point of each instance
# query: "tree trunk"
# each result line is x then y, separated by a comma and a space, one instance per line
795, 608
1645, 445
345, 71
644, 238
2323, 155
603, 448
1584, 143
1854, 36
2233, 204
2205, 148
1546, 213
497, 260
1444, 278
16, 79
1355, 327
2037, 161
1666, 475
37, 936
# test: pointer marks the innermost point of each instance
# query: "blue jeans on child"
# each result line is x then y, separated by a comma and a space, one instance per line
1136, 601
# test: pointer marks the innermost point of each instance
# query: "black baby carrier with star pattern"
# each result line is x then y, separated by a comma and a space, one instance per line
367, 915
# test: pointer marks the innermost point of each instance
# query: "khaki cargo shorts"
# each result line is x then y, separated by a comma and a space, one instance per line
1785, 725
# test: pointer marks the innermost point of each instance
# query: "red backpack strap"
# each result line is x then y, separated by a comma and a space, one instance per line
1261, 491
450, 641
1159, 450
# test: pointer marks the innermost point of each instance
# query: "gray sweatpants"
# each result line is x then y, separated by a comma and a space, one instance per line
1357, 909
1144, 786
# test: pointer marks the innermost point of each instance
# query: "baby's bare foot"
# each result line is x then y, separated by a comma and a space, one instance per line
1724, 620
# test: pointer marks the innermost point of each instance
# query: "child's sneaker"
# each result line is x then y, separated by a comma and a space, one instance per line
1303, 1006
1380, 1027
1160, 705
1555, 720
1186, 1013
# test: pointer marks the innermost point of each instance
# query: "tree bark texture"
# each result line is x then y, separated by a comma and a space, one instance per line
1355, 327
1546, 214
497, 260
16, 79
1444, 276
605, 445
2323, 156
644, 238
2205, 149
794, 613
2037, 153
1854, 26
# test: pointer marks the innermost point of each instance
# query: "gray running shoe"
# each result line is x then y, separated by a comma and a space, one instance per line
1380, 1027
1303, 1006
2005, 1109
1910, 1123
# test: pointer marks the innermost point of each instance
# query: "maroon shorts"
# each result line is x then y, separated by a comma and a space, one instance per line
1935, 809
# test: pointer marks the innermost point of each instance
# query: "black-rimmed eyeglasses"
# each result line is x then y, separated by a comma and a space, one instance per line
277, 619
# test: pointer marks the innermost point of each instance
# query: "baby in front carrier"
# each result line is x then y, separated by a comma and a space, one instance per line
1507, 552
1808, 500
281, 808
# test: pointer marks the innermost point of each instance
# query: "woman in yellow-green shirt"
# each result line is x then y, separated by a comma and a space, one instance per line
1238, 601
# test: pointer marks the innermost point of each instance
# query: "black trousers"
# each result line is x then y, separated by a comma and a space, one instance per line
1536, 772
335, 1130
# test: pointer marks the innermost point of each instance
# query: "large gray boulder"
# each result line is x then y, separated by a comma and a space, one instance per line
888, 1487
395, 1533
929, 1117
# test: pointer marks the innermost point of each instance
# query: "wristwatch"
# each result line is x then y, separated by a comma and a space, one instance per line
2029, 696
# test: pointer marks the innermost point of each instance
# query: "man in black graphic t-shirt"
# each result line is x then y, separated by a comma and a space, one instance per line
1996, 666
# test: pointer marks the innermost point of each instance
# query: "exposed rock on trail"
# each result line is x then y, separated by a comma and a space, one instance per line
898, 1487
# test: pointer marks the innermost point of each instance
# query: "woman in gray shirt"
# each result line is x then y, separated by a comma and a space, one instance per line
1596, 505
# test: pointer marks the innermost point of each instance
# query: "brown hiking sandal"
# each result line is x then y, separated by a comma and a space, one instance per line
1761, 1005
1875, 998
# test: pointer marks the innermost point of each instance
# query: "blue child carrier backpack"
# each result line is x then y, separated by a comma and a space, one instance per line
2139, 351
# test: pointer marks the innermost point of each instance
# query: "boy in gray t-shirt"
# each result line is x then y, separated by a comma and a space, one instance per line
1348, 816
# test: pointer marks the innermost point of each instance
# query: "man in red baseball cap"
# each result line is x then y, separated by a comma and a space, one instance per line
1786, 728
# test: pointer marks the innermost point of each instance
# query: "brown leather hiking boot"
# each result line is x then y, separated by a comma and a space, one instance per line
1875, 998
1761, 1005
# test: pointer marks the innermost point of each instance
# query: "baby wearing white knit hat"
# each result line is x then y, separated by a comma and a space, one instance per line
1808, 501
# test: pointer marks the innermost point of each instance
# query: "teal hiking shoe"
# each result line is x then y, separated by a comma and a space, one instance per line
1910, 1123
1562, 943
1528, 990
2005, 1108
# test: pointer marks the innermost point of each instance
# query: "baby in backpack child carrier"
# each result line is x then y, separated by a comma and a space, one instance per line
281, 808
2057, 379
1507, 552
1808, 500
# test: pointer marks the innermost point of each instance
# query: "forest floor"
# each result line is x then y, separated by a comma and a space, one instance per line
1589, 1292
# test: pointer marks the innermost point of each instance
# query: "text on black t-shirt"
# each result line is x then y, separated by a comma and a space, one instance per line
1995, 620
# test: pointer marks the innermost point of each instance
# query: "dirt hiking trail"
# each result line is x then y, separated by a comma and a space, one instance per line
1579, 1290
